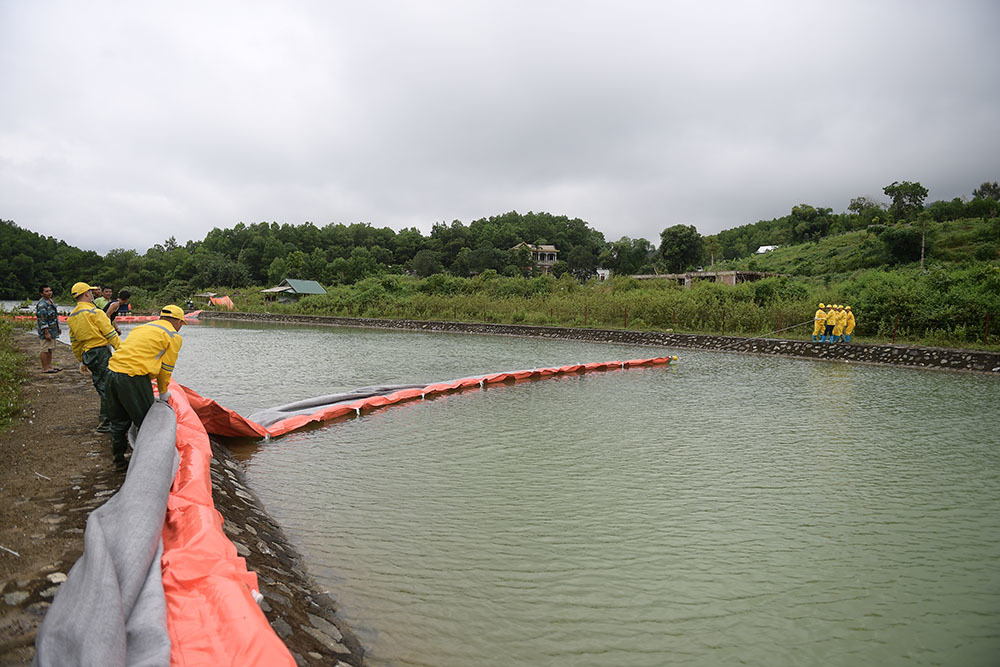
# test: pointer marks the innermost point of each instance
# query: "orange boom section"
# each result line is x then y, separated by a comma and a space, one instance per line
219, 420
212, 617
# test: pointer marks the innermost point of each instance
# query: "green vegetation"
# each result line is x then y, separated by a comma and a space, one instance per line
12, 374
944, 308
949, 244
915, 272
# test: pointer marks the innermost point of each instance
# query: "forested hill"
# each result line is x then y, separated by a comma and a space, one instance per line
262, 253
28, 259
265, 253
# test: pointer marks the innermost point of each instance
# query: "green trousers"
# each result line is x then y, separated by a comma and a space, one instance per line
129, 397
96, 359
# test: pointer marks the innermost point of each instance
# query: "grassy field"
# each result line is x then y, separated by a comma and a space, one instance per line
939, 308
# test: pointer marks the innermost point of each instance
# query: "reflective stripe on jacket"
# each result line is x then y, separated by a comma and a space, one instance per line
89, 327
151, 349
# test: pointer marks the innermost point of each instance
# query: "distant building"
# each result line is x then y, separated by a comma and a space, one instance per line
543, 256
722, 277
290, 289
603, 274
765, 248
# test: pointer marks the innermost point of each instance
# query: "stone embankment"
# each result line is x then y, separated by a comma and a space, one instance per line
301, 614
895, 355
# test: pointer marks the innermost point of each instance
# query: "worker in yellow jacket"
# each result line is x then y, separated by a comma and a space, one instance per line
838, 323
819, 323
90, 334
827, 336
849, 325
149, 353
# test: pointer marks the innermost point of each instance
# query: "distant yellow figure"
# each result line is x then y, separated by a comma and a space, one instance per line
839, 320
819, 323
849, 326
828, 325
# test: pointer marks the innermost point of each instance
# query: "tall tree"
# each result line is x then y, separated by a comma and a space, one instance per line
681, 247
988, 191
906, 198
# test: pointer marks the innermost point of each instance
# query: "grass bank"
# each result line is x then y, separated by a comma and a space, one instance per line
13, 374
939, 308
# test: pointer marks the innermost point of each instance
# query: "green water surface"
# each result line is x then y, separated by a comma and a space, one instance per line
726, 510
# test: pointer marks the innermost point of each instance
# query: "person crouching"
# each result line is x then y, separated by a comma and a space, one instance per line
149, 352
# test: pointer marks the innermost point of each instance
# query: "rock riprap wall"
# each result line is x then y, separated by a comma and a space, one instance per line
897, 355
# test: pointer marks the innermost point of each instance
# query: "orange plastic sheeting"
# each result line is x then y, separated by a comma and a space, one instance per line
127, 319
223, 301
326, 414
212, 617
222, 421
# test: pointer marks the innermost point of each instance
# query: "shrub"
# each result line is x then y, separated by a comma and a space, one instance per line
12, 375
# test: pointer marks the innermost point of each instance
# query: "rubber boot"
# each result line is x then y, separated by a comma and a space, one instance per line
814, 338
848, 338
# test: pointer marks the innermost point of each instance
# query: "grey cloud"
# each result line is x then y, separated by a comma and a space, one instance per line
156, 119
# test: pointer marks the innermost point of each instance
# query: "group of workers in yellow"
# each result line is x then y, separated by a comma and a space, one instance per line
122, 379
833, 323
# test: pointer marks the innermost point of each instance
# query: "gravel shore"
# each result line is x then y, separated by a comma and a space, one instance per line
55, 470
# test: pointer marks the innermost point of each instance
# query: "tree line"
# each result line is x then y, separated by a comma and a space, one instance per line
338, 254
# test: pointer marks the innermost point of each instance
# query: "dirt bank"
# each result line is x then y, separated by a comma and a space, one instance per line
55, 469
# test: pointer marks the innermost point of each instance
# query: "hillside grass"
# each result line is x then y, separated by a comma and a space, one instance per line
948, 244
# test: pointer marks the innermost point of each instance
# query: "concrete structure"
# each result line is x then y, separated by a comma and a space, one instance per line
543, 256
724, 277
766, 248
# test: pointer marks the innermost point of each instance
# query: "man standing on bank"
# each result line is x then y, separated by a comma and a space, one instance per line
150, 351
48, 328
90, 333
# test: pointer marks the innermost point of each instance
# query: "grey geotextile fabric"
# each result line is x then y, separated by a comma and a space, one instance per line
308, 406
111, 609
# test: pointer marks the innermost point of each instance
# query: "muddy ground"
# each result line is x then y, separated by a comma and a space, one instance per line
55, 469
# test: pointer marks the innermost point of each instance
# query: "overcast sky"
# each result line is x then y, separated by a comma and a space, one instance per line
125, 123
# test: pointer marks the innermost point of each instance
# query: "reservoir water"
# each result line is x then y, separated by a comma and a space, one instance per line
728, 509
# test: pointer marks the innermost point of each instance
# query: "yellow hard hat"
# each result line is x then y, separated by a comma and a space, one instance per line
847, 307
822, 306
80, 288
172, 311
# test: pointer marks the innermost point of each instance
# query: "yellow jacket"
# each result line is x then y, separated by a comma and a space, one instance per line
819, 321
89, 327
838, 322
152, 350
849, 328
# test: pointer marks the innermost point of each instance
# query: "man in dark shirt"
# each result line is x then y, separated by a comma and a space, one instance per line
47, 316
119, 306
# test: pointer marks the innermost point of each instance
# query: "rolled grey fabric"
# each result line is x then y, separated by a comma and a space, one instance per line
111, 609
307, 406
